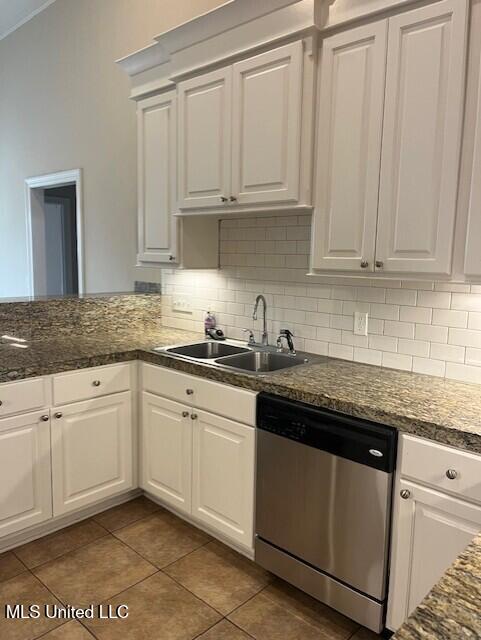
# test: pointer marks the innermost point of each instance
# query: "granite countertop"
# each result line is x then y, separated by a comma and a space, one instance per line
442, 410
452, 609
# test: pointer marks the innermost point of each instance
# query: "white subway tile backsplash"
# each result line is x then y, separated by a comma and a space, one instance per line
449, 318
385, 311
415, 325
463, 372
431, 333
397, 361
401, 296
465, 337
447, 352
429, 367
421, 315
342, 351
413, 347
368, 356
474, 320
473, 356
466, 301
383, 343
434, 299
399, 329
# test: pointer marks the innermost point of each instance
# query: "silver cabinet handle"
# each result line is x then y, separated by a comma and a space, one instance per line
58, 415
193, 416
379, 264
45, 418
364, 264
452, 474
405, 494
185, 414
223, 199
96, 383
189, 392
233, 199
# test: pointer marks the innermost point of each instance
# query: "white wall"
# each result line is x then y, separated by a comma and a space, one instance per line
64, 104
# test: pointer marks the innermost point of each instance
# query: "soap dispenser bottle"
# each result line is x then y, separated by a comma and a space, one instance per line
209, 323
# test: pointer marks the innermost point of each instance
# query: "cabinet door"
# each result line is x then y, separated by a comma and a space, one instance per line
156, 131
91, 451
205, 139
421, 138
167, 451
266, 126
223, 476
430, 531
349, 148
25, 481
472, 260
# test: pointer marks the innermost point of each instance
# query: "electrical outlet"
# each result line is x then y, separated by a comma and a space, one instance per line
360, 323
182, 304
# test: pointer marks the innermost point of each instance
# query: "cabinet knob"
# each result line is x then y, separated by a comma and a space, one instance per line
185, 414
233, 199
193, 416
189, 392
364, 264
379, 264
44, 418
171, 258
452, 474
96, 383
1, 403
58, 415
405, 494
223, 199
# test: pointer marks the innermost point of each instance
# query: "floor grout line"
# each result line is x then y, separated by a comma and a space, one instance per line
42, 564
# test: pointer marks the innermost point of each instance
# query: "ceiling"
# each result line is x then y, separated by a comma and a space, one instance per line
14, 13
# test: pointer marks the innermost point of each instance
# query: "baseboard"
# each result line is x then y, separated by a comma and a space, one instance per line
248, 553
60, 522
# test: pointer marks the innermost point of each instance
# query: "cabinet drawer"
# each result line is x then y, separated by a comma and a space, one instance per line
90, 383
221, 399
429, 462
20, 397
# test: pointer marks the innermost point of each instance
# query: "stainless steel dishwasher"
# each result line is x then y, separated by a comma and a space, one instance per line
323, 504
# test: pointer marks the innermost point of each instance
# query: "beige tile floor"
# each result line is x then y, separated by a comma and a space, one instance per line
178, 583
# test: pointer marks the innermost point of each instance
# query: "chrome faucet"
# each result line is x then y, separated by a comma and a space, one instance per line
265, 340
285, 333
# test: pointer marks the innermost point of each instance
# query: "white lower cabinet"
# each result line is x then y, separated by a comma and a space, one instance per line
223, 472
167, 451
25, 481
91, 451
430, 529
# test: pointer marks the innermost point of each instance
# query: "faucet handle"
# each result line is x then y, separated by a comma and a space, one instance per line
252, 339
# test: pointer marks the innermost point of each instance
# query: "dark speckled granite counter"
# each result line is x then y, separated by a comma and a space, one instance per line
438, 409
452, 609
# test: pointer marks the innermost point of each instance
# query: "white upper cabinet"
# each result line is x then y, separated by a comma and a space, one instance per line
204, 170
472, 263
349, 148
421, 138
156, 134
266, 126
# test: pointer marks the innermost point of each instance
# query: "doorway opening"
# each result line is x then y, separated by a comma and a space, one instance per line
54, 228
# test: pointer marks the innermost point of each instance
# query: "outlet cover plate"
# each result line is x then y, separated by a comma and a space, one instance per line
181, 304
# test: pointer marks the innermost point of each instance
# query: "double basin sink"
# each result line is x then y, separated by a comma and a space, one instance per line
249, 359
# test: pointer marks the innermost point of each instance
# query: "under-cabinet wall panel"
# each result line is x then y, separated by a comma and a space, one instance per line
266, 126
421, 138
349, 148
204, 139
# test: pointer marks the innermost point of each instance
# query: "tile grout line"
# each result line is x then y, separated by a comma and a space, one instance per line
42, 564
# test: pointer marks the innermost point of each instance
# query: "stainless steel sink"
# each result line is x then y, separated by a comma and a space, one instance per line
206, 350
262, 361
